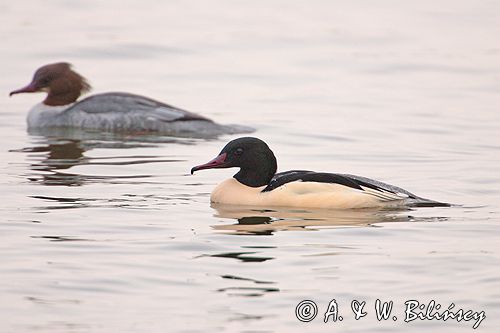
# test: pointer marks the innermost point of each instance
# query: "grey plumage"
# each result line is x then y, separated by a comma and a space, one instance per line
124, 112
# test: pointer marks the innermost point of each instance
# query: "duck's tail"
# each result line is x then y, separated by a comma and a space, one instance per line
421, 202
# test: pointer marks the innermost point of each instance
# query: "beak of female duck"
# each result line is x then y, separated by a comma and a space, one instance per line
28, 89
218, 162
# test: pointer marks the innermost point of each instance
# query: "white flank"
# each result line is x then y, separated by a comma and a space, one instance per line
302, 194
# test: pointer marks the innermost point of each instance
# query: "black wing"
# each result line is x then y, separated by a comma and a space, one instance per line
282, 178
372, 187
383, 191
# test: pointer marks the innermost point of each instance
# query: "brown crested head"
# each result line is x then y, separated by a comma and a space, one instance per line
62, 84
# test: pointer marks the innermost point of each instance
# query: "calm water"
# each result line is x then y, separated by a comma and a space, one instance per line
106, 233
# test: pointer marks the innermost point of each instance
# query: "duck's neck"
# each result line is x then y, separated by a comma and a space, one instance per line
63, 98
259, 174
66, 90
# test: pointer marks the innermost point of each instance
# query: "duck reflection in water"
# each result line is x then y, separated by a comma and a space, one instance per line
59, 155
62, 149
258, 221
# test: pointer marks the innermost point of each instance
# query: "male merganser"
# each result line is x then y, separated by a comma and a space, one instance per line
258, 184
115, 111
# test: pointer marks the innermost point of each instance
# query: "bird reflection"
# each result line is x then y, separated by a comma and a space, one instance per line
57, 150
256, 221
60, 154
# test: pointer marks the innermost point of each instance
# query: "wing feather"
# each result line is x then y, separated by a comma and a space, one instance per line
382, 191
111, 105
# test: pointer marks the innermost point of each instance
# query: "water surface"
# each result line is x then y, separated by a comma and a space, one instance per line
108, 232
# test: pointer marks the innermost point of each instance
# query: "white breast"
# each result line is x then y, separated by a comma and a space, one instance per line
42, 115
297, 194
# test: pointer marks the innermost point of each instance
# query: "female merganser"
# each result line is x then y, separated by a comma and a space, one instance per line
258, 184
115, 111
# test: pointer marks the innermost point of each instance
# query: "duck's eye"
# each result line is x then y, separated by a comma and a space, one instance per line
44, 81
238, 151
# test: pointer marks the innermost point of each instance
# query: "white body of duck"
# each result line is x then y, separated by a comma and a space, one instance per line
42, 115
115, 111
296, 194
257, 184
